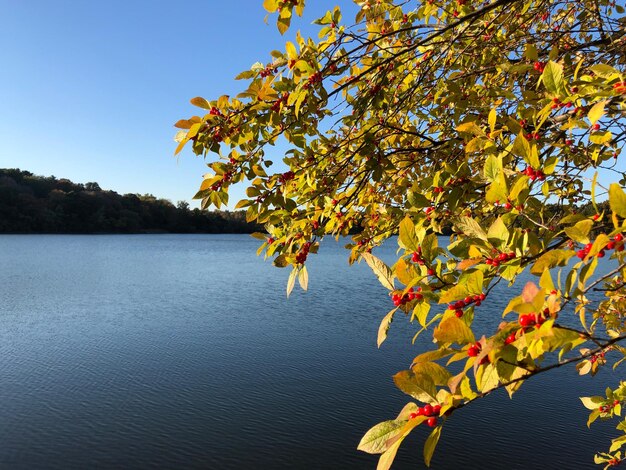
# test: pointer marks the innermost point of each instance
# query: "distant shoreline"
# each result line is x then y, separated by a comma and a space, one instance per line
32, 204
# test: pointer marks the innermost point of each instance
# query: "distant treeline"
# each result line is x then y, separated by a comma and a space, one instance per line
37, 204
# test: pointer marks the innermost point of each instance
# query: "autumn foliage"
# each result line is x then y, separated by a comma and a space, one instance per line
496, 121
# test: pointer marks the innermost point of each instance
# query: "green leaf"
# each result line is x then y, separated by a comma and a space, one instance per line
416, 199
375, 440
552, 77
521, 147
419, 386
470, 283
493, 168
430, 444
408, 240
429, 247
420, 312
617, 199
453, 330
601, 137
497, 190
550, 260
498, 234
382, 271
580, 231
437, 373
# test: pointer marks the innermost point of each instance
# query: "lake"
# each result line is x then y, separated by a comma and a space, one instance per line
182, 351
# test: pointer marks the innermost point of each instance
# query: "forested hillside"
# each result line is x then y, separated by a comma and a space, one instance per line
37, 204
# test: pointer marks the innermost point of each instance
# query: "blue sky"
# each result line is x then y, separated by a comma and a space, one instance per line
90, 90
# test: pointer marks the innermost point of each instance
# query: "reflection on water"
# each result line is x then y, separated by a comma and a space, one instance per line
182, 351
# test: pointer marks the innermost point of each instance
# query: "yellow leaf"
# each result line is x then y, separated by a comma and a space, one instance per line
596, 112
453, 330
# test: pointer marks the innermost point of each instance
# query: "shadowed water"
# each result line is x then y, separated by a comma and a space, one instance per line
182, 351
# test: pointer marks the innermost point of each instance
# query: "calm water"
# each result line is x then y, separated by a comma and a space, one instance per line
182, 351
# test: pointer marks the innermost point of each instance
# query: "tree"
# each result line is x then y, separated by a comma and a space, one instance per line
498, 120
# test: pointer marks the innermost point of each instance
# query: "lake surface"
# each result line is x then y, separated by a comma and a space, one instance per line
182, 351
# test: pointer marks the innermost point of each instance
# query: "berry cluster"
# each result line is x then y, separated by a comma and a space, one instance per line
277, 104
287, 176
474, 349
501, 258
399, 299
616, 243
268, 71
532, 319
459, 305
416, 257
539, 66
534, 174
620, 87
609, 407
315, 78
437, 190
557, 103
614, 462
595, 357
301, 256
428, 410
226, 177
511, 338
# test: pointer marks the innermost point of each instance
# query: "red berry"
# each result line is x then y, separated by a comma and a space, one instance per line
467, 300
437, 409
428, 410
610, 245
472, 351
509, 339
526, 320
432, 422
458, 313
413, 415
618, 238
600, 254
482, 297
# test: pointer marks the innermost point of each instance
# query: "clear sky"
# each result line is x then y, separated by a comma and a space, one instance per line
89, 90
